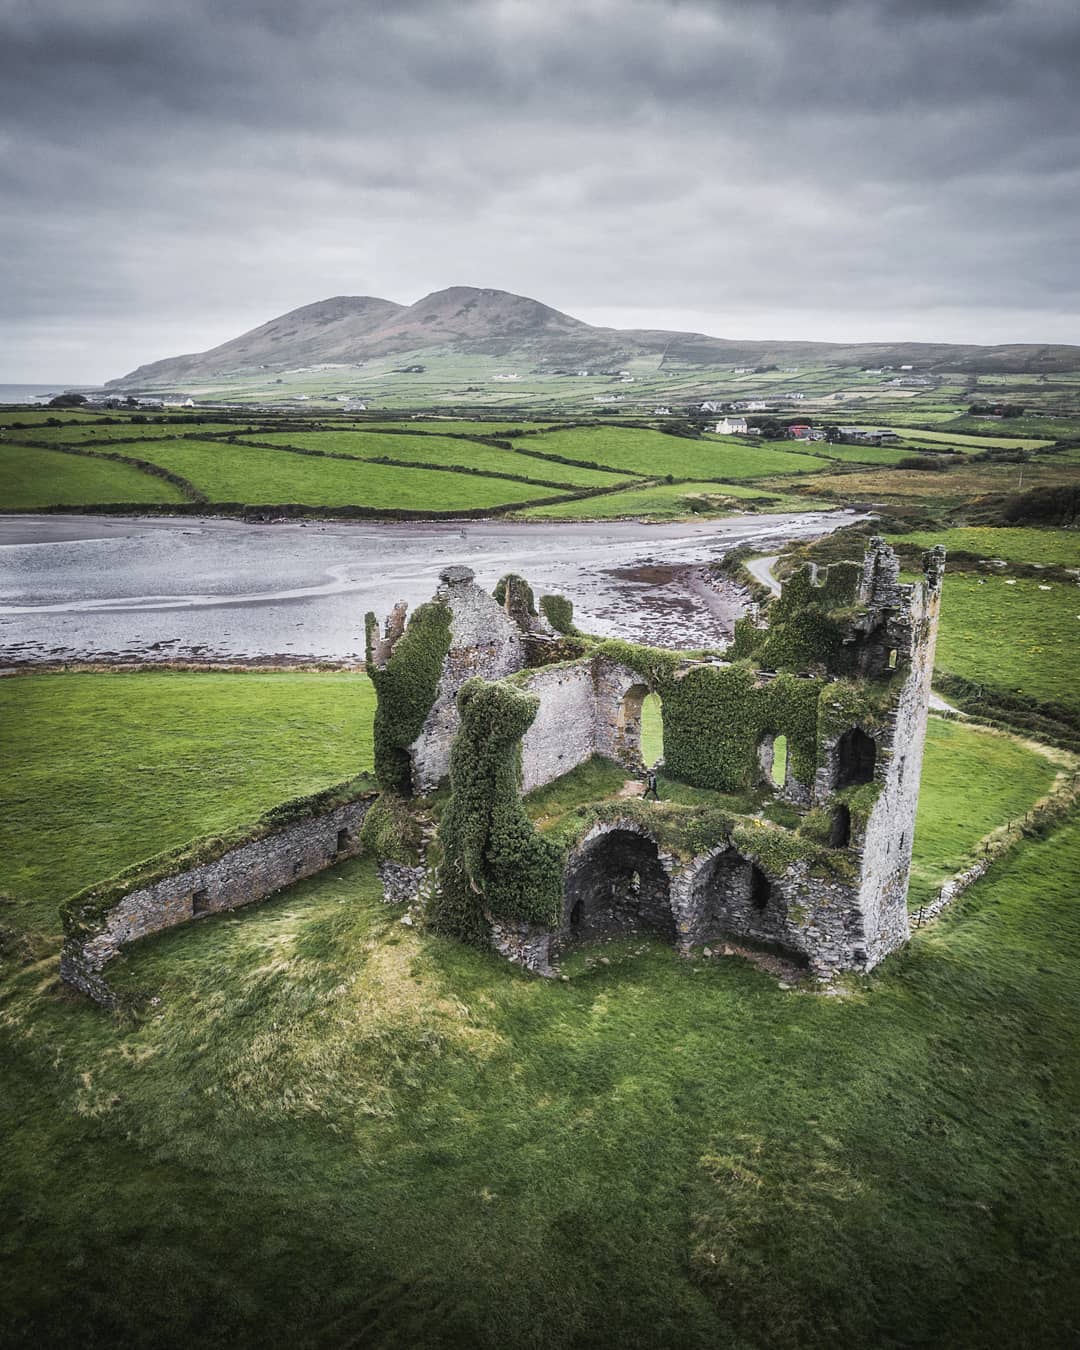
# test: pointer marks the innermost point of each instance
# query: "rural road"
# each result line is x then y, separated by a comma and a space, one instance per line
127, 588
761, 570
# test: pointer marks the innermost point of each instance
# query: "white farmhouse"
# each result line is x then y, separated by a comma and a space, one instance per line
731, 426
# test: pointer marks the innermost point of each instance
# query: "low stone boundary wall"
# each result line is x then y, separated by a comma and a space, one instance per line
241, 875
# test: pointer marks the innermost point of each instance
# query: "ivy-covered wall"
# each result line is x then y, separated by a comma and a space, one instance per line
406, 685
715, 717
493, 861
807, 622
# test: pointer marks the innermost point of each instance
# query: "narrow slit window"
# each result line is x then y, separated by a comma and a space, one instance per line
200, 902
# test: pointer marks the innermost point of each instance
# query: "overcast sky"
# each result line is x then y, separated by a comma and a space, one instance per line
175, 172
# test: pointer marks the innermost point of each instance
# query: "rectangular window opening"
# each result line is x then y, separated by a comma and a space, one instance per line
342, 841
200, 902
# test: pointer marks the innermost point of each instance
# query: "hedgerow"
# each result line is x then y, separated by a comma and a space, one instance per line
406, 687
493, 861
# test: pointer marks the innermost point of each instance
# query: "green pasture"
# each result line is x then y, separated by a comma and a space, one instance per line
967, 442
432, 449
957, 486
128, 431
35, 417
329, 1129
671, 501
33, 478
655, 454
1050, 548
974, 779
1017, 634
234, 472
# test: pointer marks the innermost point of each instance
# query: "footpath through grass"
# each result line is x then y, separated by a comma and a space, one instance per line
114, 768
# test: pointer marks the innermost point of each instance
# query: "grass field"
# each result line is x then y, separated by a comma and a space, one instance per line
333, 1130
670, 501
974, 780
90, 435
653, 453
31, 477
432, 449
114, 768
1012, 634
241, 473
1060, 548
960, 484
974, 443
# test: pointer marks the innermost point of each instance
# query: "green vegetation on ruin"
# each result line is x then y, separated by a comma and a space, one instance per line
419, 1143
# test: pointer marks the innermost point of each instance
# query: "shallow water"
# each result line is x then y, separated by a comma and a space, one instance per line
118, 588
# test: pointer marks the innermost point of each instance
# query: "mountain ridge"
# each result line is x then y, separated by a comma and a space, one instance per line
483, 321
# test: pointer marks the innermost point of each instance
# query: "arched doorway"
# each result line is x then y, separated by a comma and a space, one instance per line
617, 884
856, 755
733, 897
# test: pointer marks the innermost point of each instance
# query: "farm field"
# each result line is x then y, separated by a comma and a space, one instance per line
432, 449
233, 472
653, 453
1050, 548
453, 1132
974, 443
957, 485
126, 434
31, 478
1012, 634
670, 500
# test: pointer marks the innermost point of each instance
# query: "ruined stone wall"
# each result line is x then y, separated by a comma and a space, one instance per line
563, 733
618, 719
890, 830
240, 877
484, 641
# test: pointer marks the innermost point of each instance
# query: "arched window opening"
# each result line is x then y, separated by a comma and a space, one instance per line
856, 755
778, 771
840, 830
891, 662
759, 888
652, 730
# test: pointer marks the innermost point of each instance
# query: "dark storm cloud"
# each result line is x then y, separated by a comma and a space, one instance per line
172, 174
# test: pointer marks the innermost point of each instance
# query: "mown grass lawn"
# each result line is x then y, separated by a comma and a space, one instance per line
652, 453
1013, 633
433, 449
241, 473
334, 1130
31, 477
113, 768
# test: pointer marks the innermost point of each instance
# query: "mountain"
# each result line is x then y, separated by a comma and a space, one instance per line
351, 329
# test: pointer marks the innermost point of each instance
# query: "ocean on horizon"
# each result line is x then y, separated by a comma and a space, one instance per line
37, 393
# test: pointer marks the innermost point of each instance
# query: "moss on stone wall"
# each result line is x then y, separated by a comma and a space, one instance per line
516, 595
493, 861
807, 622
85, 912
406, 687
559, 612
391, 831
